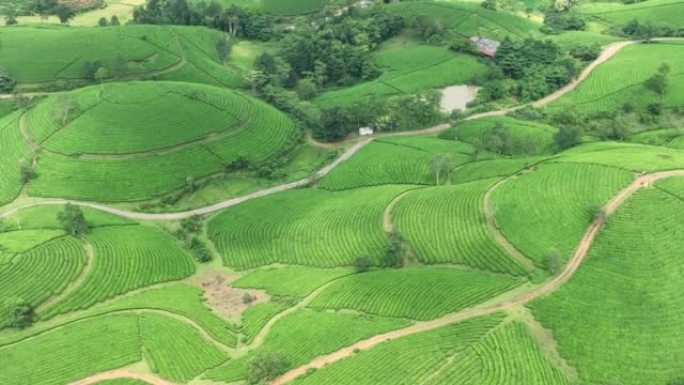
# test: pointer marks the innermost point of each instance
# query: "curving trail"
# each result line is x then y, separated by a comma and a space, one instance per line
607, 53
569, 270
121, 373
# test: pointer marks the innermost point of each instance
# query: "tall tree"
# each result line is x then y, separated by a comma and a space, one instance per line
73, 220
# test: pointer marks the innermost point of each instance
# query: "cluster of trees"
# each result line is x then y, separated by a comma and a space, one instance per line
7, 82
96, 70
403, 112
73, 220
246, 23
114, 21
647, 31
498, 139
266, 366
189, 231
537, 67
20, 314
658, 83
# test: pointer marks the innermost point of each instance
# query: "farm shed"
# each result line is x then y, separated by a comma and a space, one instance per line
485, 46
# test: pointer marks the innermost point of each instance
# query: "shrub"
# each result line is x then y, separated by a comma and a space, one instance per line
7, 83
362, 263
266, 366
20, 313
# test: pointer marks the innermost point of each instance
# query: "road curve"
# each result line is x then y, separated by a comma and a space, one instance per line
120, 373
569, 270
607, 53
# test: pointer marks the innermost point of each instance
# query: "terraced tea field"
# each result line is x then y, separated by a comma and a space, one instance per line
119, 128
622, 80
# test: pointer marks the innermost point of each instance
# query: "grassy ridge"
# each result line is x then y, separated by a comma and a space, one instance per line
416, 293
72, 352
446, 224
636, 263
14, 152
304, 227
126, 258
291, 281
622, 80
396, 160
552, 206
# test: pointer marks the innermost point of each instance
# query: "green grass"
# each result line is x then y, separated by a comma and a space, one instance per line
72, 352
155, 144
659, 12
306, 334
390, 160
409, 67
415, 293
290, 281
468, 19
39, 273
482, 351
24, 240
304, 227
490, 168
667, 137
627, 156
621, 80
125, 258
183, 300
40, 57
292, 7
446, 224
176, 351
256, 316
137, 117
14, 152
632, 276
45, 218
122, 381
525, 137
6, 107
552, 206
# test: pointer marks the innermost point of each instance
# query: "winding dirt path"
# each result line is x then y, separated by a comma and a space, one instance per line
607, 53
121, 373
569, 270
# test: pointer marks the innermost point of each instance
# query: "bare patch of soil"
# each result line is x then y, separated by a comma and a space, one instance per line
225, 300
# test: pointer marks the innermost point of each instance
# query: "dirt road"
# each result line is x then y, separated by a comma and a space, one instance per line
569, 270
359, 143
120, 373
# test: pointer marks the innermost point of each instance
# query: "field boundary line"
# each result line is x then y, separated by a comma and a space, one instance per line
578, 256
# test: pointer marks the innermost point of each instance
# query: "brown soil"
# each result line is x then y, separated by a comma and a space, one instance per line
114, 374
224, 299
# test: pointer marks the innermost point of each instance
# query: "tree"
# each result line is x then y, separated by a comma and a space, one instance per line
102, 22
64, 13
223, 48
553, 261
7, 82
27, 173
10, 16
114, 21
362, 263
659, 81
20, 314
441, 164
120, 67
73, 220
396, 249
266, 366
489, 4
101, 74
567, 136
89, 69
307, 88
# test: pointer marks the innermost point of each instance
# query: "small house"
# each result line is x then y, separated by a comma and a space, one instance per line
365, 131
485, 46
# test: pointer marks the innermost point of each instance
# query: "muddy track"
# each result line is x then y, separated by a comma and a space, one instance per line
550, 286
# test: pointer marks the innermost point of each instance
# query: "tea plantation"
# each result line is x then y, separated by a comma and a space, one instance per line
270, 192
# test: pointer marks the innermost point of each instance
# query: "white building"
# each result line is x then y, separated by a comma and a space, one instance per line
364, 131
